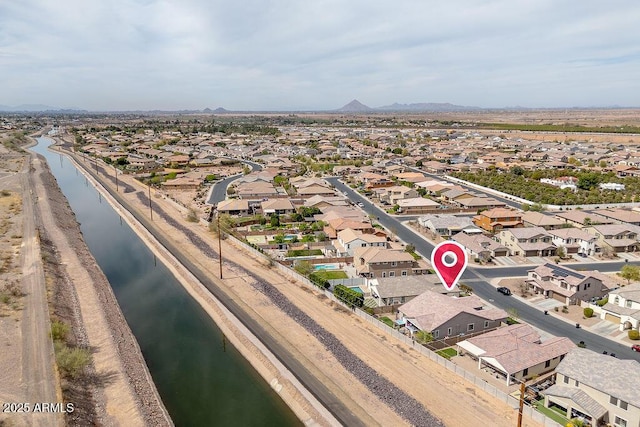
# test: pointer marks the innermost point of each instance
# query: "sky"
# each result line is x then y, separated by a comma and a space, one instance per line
289, 55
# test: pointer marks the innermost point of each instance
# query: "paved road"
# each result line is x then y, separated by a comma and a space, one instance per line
219, 191
37, 348
478, 279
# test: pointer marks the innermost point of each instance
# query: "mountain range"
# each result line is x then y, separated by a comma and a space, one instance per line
356, 106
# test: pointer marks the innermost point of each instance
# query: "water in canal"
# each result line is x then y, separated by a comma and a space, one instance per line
202, 381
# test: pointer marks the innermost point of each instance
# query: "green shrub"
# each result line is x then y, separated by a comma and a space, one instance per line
59, 330
588, 312
348, 296
71, 361
634, 334
602, 302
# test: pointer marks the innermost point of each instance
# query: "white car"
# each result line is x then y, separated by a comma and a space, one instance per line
360, 204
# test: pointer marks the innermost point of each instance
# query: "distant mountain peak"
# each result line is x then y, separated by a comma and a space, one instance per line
355, 106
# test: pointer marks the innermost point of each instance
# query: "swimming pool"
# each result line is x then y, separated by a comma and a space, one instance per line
357, 289
325, 267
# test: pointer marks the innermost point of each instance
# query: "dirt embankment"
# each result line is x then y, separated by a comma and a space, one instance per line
117, 389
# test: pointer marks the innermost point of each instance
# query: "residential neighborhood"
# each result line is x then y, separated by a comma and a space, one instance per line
356, 211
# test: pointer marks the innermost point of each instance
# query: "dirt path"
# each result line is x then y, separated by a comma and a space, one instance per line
442, 392
37, 351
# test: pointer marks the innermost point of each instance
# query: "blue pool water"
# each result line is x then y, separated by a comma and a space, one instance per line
324, 267
357, 289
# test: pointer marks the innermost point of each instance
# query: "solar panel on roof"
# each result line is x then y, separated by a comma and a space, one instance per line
561, 272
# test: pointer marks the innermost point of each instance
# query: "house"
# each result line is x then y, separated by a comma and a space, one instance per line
615, 237
373, 262
338, 224
182, 183
564, 284
277, 206
498, 219
447, 225
480, 246
416, 206
611, 186
257, 190
574, 240
597, 388
434, 167
348, 240
435, 188
314, 189
374, 180
529, 241
322, 202
621, 215
564, 182
234, 207
516, 352
391, 195
623, 307
580, 219
389, 291
479, 203
409, 177
538, 219
446, 316
456, 194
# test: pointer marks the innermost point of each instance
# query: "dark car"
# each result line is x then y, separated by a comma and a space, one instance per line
504, 291
635, 347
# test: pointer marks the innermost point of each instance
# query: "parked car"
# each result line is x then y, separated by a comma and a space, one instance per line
504, 290
360, 204
635, 347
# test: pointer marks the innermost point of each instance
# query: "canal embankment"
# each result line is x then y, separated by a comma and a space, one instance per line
120, 391
237, 331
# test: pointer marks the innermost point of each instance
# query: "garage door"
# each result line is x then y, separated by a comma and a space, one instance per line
612, 318
559, 297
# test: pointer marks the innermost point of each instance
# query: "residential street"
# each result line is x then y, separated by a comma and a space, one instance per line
219, 191
478, 278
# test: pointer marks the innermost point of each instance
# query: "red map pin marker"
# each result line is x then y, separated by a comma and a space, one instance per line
449, 259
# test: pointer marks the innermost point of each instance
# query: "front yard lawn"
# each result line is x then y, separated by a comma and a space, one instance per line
331, 274
447, 353
304, 252
551, 413
387, 321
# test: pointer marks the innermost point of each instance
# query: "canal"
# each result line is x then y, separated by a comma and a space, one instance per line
203, 380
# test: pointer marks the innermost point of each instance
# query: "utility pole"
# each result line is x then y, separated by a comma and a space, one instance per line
521, 404
150, 208
115, 171
219, 245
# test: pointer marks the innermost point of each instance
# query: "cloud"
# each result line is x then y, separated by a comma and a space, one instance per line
284, 54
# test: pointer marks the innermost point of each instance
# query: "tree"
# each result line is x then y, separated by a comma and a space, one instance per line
424, 337
630, 273
275, 220
516, 170
587, 181
304, 267
561, 252
410, 248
